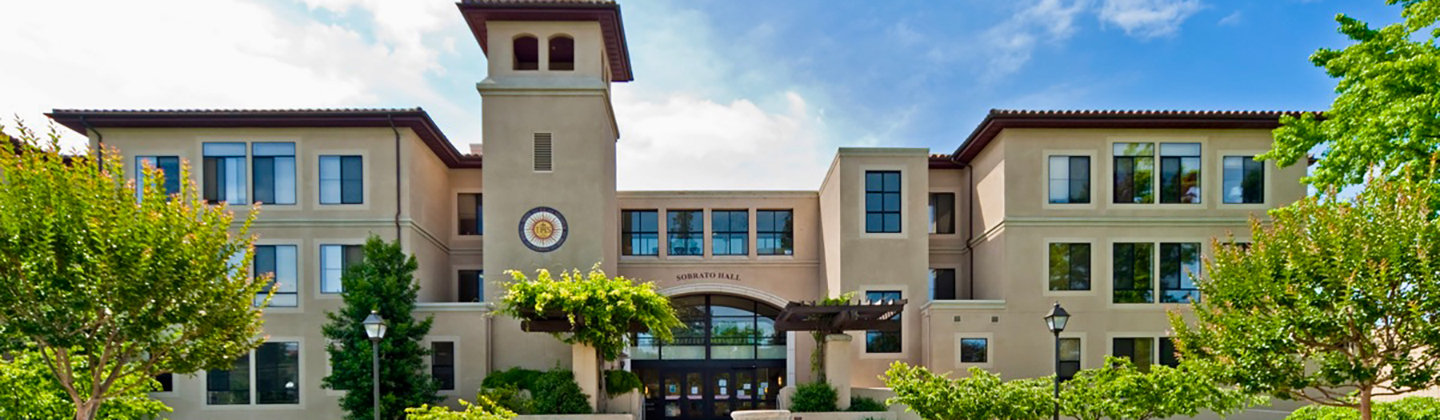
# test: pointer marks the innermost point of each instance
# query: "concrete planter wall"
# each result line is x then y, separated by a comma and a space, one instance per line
575, 417
846, 415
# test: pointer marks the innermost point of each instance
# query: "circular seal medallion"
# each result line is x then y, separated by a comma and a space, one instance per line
543, 229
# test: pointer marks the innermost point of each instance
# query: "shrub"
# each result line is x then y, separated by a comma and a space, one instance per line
619, 382
514, 377
483, 409
866, 404
814, 397
556, 392
1413, 408
509, 397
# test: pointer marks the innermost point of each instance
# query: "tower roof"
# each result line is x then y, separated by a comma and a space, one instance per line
605, 12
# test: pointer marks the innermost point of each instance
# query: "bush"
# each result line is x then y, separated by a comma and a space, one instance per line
510, 398
483, 409
619, 382
1413, 408
514, 377
556, 392
866, 404
814, 397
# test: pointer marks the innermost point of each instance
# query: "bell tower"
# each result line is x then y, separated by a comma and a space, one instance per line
549, 135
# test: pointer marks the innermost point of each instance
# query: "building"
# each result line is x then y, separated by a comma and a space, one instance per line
1105, 211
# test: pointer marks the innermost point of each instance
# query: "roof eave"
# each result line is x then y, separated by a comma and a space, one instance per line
612, 25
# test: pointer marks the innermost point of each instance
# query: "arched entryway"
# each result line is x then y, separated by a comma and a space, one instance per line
728, 357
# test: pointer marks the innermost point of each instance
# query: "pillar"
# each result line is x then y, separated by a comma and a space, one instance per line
586, 364
837, 367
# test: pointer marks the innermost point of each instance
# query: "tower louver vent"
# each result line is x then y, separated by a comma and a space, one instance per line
543, 162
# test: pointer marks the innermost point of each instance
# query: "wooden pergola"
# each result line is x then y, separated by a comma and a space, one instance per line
866, 315
559, 322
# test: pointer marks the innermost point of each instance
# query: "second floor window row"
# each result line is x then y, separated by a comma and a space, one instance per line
685, 232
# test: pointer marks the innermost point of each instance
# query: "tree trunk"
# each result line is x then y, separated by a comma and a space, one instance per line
1365, 403
87, 410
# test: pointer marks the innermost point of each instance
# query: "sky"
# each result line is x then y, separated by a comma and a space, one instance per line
728, 94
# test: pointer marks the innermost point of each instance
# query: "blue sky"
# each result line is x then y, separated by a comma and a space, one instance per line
729, 94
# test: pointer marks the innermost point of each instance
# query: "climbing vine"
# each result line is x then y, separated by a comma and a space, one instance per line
599, 308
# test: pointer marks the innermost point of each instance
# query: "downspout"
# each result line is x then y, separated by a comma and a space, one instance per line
970, 227
99, 142
398, 205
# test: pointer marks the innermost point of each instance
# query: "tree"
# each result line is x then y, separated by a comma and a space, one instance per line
1334, 297
1387, 113
981, 396
107, 286
384, 282
32, 393
1120, 391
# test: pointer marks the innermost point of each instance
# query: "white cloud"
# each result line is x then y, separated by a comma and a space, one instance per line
1234, 18
1009, 45
1148, 18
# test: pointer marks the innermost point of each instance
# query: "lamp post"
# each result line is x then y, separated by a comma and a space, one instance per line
1056, 320
375, 329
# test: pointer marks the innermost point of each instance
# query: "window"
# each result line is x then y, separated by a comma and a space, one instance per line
562, 53
942, 284
527, 53
639, 232
1180, 173
472, 214
274, 172
472, 286
882, 341
974, 350
442, 364
340, 180
279, 262
167, 382
687, 231
169, 166
1140, 351
1178, 263
774, 232
942, 213
274, 378
544, 153
224, 177
882, 201
1169, 356
1134, 172
1133, 264
334, 259
730, 232
1244, 180
1069, 266
1070, 179
1069, 357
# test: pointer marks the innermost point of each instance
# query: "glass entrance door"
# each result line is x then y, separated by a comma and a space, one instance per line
709, 391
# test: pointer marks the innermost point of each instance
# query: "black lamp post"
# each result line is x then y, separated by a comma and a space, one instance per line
1056, 320
375, 329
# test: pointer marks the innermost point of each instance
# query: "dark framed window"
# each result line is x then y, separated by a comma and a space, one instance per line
974, 350
774, 232
342, 180
1244, 181
562, 53
1069, 266
471, 212
1070, 352
717, 327
942, 213
1179, 263
883, 341
274, 176
334, 259
442, 364
471, 287
942, 284
278, 261
224, 173
882, 202
1169, 356
167, 382
273, 378
527, 52
169, 167
229, 387
1180, 173
1133, 266
1140, 351
639, 232
686, 229
730, 232
1134, 173
1069, 179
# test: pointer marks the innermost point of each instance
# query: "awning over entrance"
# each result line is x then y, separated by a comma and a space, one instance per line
833, 319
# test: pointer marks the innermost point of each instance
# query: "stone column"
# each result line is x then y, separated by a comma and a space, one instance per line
837, 367
584, 362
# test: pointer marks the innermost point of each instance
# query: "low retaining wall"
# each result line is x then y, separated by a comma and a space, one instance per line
846, 415
575, 417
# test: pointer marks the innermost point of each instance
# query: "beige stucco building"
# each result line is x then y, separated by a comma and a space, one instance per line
1106, 212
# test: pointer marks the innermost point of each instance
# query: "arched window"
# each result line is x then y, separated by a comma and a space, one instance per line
562, 53
527, 53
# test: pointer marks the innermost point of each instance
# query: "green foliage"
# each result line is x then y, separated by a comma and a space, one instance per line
30, 392
814, 397
600, 308
866, 404
1331, 297
619, 382
510, 398
557, 393
1120, 391
384, 282
515, 377
981, 396
95, 277
483, 409
1387, 111
1413, 408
